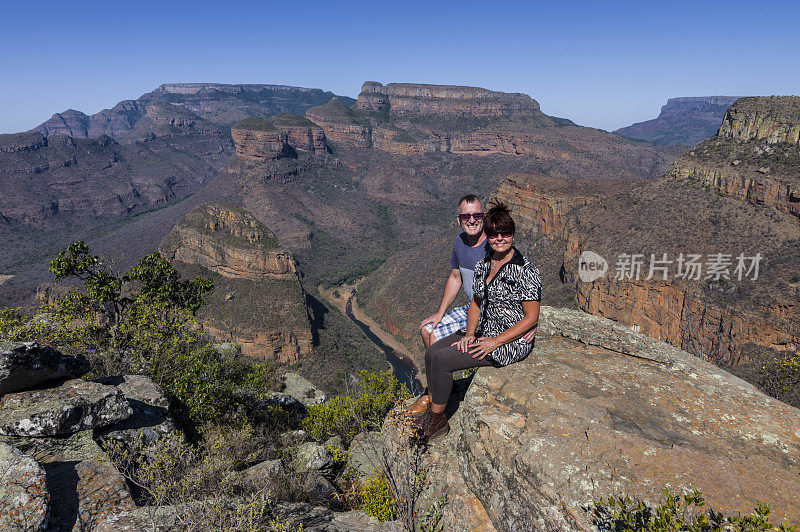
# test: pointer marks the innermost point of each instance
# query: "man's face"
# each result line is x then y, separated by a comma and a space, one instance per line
470, 224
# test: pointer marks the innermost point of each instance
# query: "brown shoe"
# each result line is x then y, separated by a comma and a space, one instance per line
430, 426
420, 406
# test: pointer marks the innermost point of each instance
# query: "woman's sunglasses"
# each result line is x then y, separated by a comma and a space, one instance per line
501, 234
465, 217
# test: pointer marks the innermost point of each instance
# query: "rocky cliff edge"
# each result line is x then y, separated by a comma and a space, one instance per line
597, 410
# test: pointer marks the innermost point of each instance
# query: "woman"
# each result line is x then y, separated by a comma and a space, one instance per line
505, 305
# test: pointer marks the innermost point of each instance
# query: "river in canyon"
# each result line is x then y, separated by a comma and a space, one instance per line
402, 367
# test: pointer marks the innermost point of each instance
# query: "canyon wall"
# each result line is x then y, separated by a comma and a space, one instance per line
754, 157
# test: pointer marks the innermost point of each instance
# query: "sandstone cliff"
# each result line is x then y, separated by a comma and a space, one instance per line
683, 121
598, 411
417, 98
341, 124
755, 155
257, 301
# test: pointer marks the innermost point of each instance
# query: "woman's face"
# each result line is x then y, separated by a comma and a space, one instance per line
500, 242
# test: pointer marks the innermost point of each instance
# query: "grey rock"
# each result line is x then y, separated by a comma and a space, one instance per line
150, 420
265, 474
24, 500
335, 442
83, 484
75, 405
319, 490
365, 453
302, 389
24, 366
290, 404
311, 456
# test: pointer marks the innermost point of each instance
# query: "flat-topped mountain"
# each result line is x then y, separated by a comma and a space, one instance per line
257, 301
452, 100
685, 121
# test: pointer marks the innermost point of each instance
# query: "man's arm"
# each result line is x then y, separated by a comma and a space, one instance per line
451, 289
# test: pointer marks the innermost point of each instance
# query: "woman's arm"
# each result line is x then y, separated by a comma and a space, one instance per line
486, 345
473, 316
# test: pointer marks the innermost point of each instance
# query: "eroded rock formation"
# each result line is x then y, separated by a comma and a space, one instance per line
258, 301
755, 155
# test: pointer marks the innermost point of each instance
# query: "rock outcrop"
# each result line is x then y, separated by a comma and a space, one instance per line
258, 301
54, 474
24, 366
229, 241
341, 124
755, 155
596, 411
71, 407
418, 98
683, 121
24, 500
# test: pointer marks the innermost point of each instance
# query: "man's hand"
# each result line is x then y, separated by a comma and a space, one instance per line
530, 335
433, 319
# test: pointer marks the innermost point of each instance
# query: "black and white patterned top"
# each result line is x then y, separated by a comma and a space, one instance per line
501, 302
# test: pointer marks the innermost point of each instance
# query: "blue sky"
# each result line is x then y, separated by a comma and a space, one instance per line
601, 64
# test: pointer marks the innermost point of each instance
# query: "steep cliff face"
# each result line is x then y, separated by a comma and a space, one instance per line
280, 136
774, 119
229, 241
46, 181
597, 410
257, 301
683, 121
131, 120
341, 124
417, 98
755, 155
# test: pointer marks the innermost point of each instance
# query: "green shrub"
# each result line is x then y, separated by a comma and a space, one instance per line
378, 499
676, 513
345, 416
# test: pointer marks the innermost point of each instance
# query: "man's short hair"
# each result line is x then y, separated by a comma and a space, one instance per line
469, 198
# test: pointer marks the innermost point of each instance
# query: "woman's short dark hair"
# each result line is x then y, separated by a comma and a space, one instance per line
498, 220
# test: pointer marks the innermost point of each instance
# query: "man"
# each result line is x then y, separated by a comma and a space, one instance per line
470, 247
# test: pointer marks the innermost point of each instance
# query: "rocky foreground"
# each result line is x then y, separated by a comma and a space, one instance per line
597, 410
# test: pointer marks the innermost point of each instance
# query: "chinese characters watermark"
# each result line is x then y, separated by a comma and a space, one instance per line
713, 267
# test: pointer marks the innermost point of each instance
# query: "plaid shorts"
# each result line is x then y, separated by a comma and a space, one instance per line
452, 322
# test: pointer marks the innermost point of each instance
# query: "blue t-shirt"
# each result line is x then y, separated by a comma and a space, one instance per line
465, 258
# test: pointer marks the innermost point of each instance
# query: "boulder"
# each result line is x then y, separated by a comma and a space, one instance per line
302, 389
365, 453
150, 419
24, 501
24, 366
319, 490
75, 405
311, 456
266, 474
291, 438
83, 484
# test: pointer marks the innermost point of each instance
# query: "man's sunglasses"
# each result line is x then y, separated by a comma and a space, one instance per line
503, 234
465, 217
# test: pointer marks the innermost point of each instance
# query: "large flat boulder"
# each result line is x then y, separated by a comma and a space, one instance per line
24, 501
24, 366
83, 485
75, 405
150, 420
596, 411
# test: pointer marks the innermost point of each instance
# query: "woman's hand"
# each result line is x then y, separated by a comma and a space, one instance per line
465, 343
483, 346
